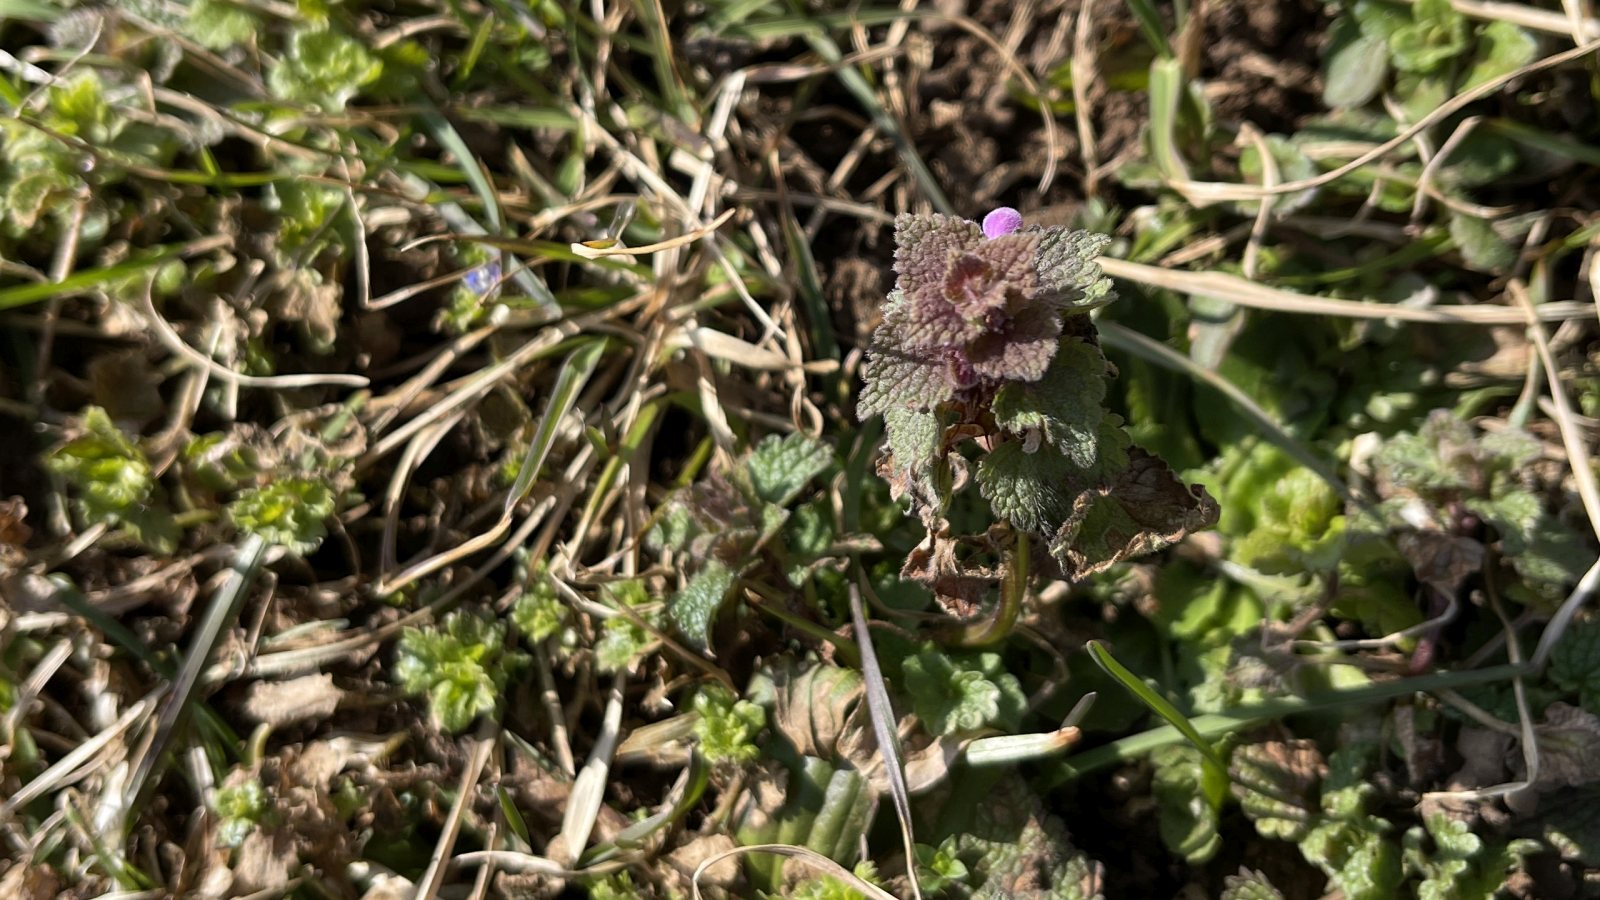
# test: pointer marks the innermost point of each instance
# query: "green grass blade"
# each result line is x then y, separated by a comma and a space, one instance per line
575, 373
1157, 703
450, 139
809, 289
1217, 725
513, 816
1150, 24
88, 279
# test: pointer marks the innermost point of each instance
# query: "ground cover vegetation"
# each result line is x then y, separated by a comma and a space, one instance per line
774, 448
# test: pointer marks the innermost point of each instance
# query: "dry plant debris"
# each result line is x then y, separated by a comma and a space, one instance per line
527, 449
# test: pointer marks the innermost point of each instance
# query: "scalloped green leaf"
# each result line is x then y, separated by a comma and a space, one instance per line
780, 467
694, 608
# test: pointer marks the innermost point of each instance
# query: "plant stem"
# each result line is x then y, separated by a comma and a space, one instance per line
1013, 587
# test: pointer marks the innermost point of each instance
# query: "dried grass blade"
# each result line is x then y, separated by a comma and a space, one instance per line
223, 609
883, 727
433, 877
857, 85
1248, 293
583, 804
80, 754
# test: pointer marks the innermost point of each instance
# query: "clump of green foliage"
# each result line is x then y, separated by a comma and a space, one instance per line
239, 809
290, 511
956, 692
461, 665
745, 524
624, 637
727, 726
113, 481
986, 339
538, 611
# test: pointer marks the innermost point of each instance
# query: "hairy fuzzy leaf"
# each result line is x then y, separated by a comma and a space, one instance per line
694, 608
727, 726
1142, 509
780, 467
1543, 550
1069, 276
113, 482
1502, 48
1436, 34
1348, 843
323, 67
1064, 407
290, 511
1248, 885
1575, 662
460, 664
1015, 850
1272, 780
1462, 866
621, 638
1033, 491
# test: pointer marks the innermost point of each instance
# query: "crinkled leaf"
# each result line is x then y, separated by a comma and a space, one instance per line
1349, 844
1462, 866
1543, 550
727, 725
1248, 885
916, 466
1273, 781
1297, 524
1188, 819
1144, 508
1069, 271
218, 24
461, 666
539, 612
808, 533
323, 67
959, 692
1033, 491
780, 467
622, 638
1575, 662
694, 608
109, 470
1015, 850
1063, 408
290, 512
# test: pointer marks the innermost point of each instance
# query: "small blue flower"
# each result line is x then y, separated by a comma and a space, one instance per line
483, 279
1000, 222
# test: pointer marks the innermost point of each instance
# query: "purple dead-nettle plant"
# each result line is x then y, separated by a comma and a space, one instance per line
987, 338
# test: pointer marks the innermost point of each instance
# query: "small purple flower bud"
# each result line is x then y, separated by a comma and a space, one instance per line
1001, 222
483, 278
